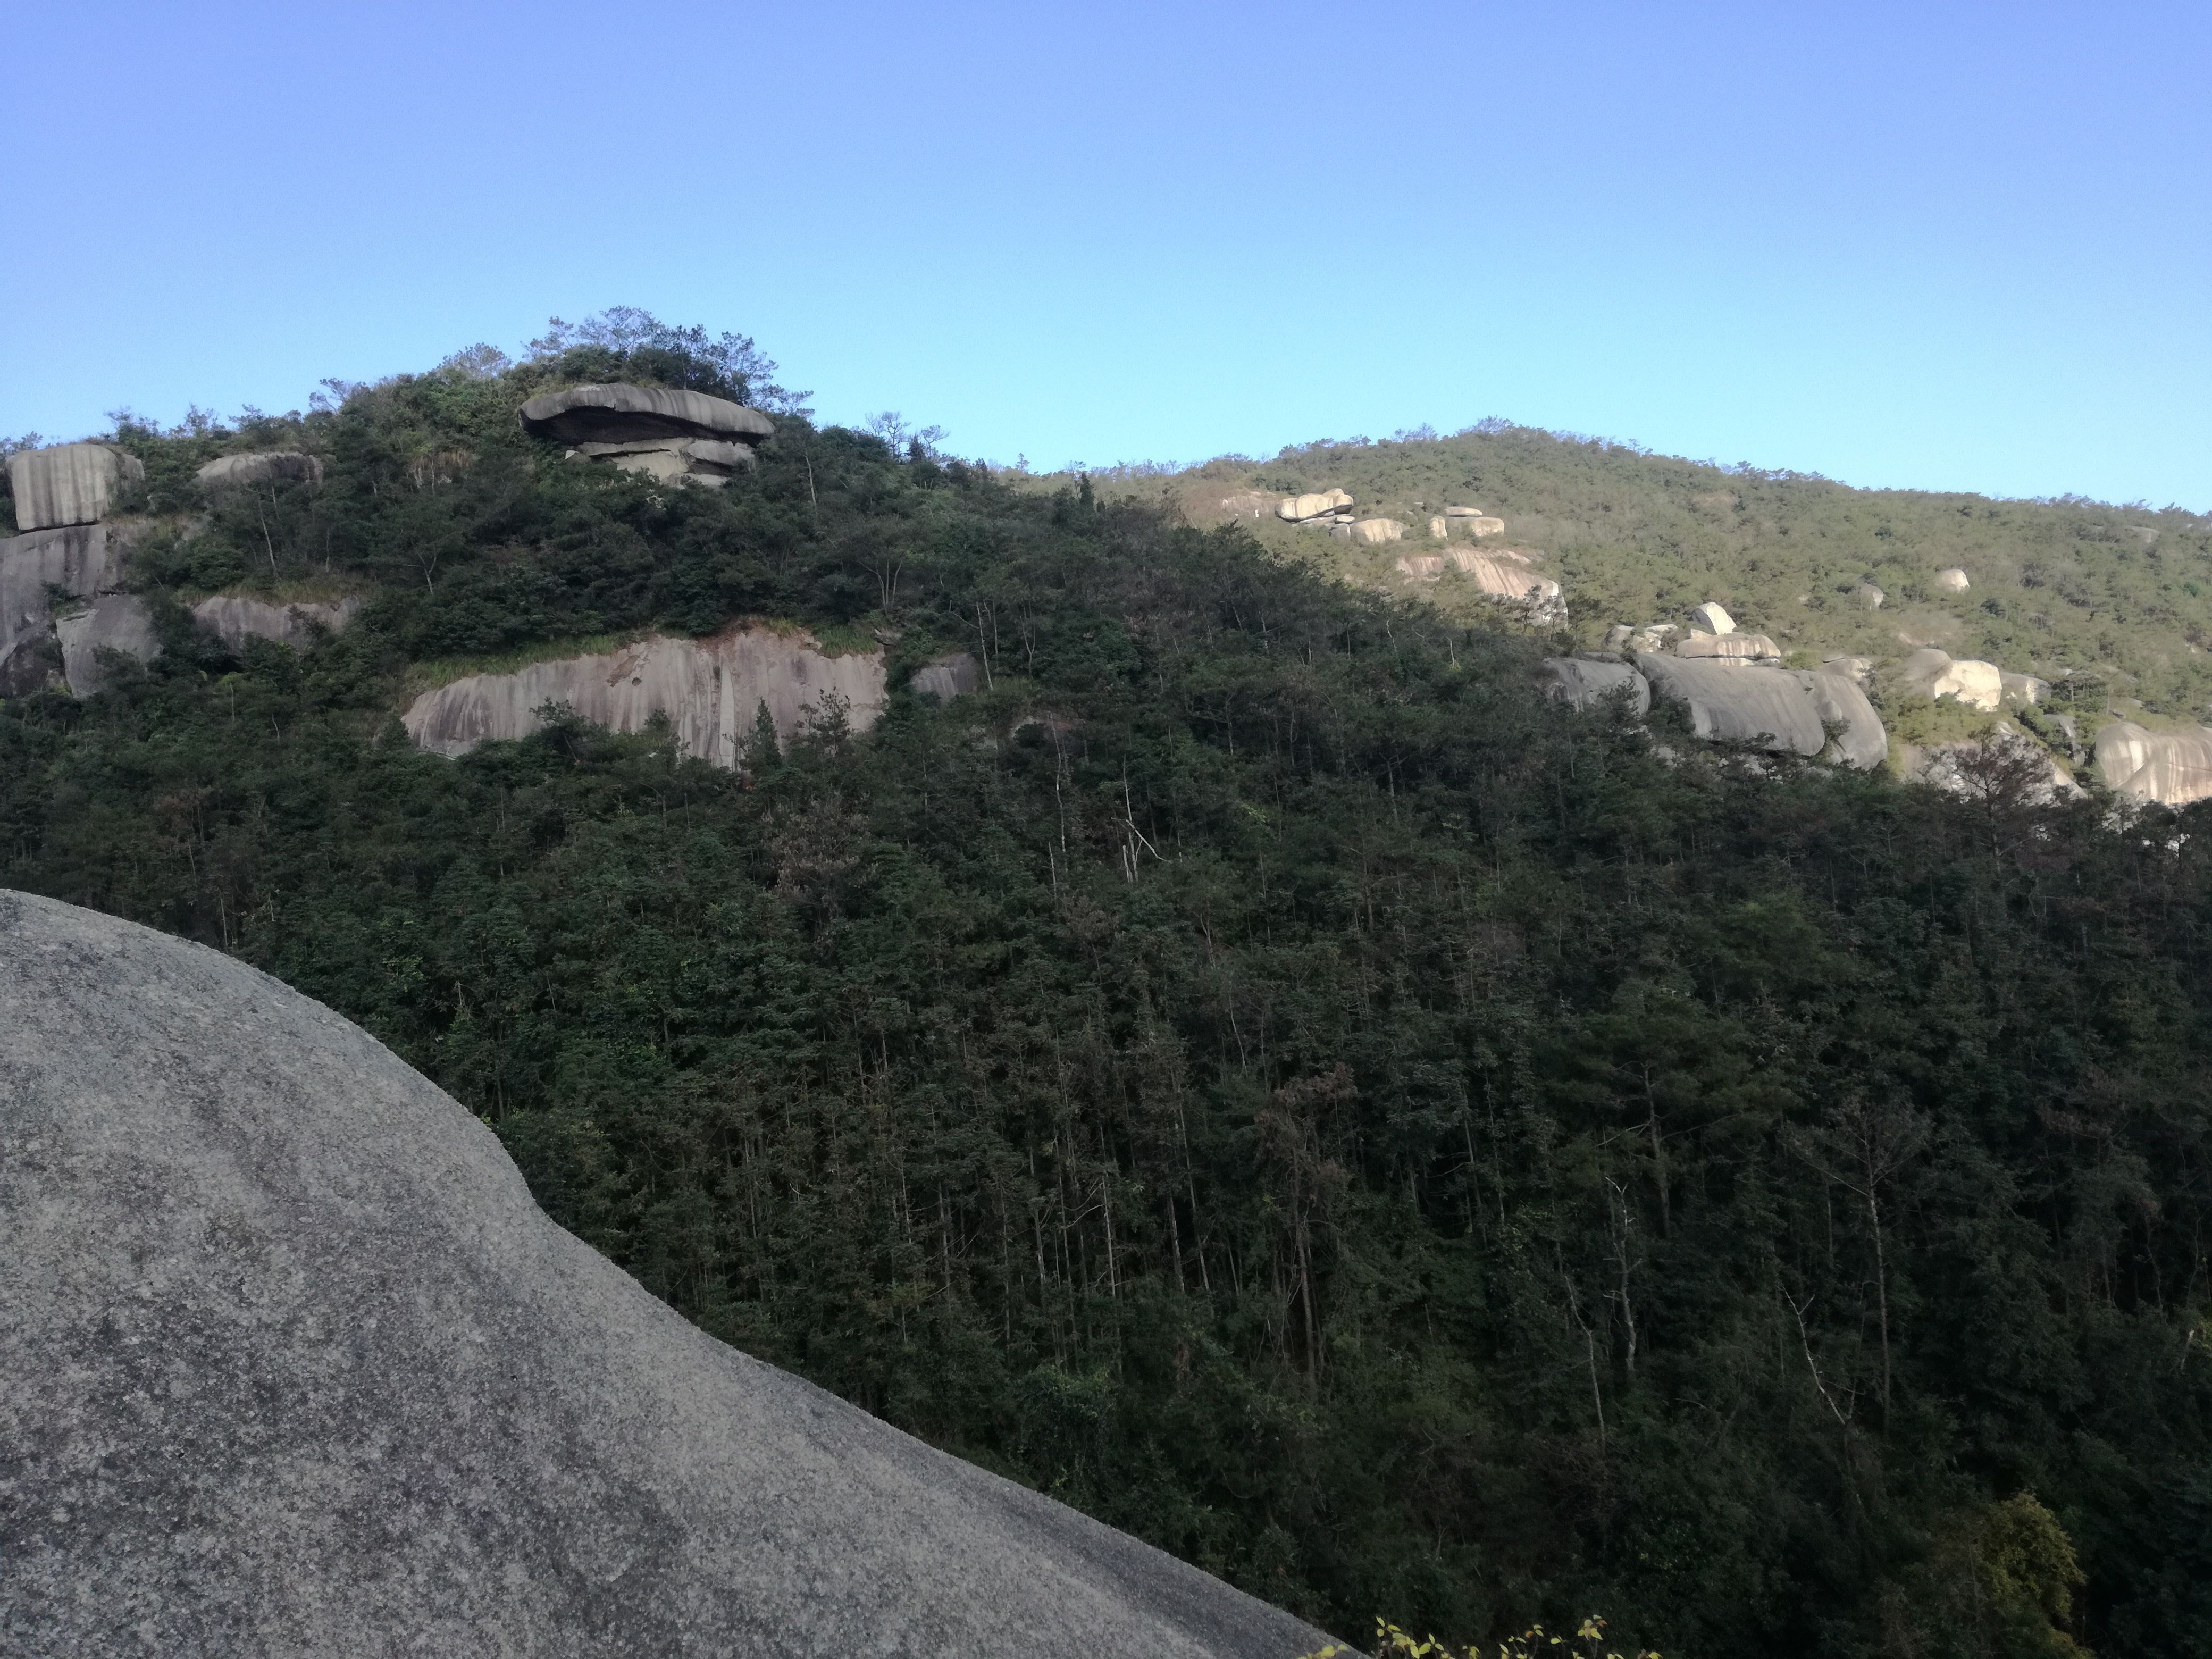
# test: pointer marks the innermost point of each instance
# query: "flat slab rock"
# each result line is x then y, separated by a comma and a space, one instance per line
290, 1363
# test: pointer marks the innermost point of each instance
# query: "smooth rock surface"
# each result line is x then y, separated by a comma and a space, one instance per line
1439, 528
2173, 768
1421, 567
234, 620
1862, 741
291, 1365
1374, 531
1712, 618
1953, 581
1935, 673
260, 466
1766, 707
1304, 509
621, 414
68, 484
1584, 684
80, 560
711, 689
2022, 688
2007, 761
1868, 595
113, 622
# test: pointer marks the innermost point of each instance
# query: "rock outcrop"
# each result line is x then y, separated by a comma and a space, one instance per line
2170, 768
1374, 531
1315, 508
293, 1364
1935, 673
1712, 618
946, 678
1868, 595
1439, 528
1776, 710
81, 561
1582, 683
234, 620
2022, 689
113, 622
710, 689
1730, 647
1506, 576
1953, 581
260, 466
673, 436
1421, 567
2005, 763
68, 484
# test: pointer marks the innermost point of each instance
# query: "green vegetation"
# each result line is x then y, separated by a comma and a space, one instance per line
1252, 1071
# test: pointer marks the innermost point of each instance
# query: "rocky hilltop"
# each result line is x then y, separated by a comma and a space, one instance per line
290, 1363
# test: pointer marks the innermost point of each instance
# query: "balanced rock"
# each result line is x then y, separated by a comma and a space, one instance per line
1373, 531
290, 1363
710, 689
68, 484
2170, 768
1953, 581
260, 466
666, 434
1730, 647
1317, 507
1935, 673
1582, 683
234, 620
1712, 618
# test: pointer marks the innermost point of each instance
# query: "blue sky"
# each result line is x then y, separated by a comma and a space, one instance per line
1944, 245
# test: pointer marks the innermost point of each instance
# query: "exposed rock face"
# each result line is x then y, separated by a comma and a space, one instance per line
1837, 699
1868, 595
1953, 581
1463, 512
946, 678
1764, 707
674, 436
234, 620
2022, 688
82, 560
294, 1365
1481, 525
113, 622
1651, 638
1505, 575
1308, 509
1373, 531
710, 689
1730, 647
2006, 760
1439, 528
68, 484
2173, 768
1712, 619
1421, 567
1935, 673
262, 466
1853, 669
1584, 684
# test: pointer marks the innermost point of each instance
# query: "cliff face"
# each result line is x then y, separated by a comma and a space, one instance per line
293, 1364
711, 689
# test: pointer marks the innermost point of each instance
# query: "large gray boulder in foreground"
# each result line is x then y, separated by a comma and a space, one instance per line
291, 1365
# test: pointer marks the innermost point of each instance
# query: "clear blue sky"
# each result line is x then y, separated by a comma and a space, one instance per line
1950, 246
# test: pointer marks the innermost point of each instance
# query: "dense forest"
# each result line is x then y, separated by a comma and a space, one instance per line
1251, 1070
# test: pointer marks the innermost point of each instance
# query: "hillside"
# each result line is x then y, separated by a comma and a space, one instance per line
1248, 1067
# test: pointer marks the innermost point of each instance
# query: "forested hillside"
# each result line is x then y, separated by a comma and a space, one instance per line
1250, 1069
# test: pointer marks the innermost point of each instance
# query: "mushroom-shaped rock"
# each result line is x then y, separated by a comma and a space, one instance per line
234, 620
2172, 768
710, 689
113, 622
294, 1365
945, 677
1712, 618
1935, 673
1584, 684
68, 484
261, 466
1730, 647
1953, 581
1861, 740
1374, 531
1764, 707
664, 434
